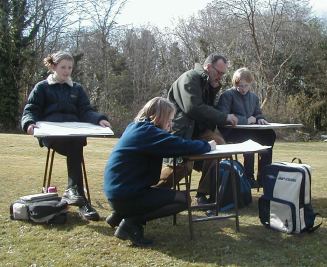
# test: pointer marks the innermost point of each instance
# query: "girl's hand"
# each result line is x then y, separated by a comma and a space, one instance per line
212, 144
232, 119
30, 129
104, 123
263, 122
252, 120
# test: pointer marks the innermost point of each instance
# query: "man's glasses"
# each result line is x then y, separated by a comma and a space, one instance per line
219, 73
244, 86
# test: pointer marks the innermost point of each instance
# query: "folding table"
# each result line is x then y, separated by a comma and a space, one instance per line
222, 151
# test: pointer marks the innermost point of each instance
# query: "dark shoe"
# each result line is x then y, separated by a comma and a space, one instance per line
202, 200
73, 197
87, 212
113, 219
253, 183
133, 232
210, 213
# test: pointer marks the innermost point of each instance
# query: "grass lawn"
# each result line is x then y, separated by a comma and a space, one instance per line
81, 243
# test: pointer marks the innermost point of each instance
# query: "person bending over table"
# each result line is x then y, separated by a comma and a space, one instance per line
193, 95
134, 166
240, 101
59, 99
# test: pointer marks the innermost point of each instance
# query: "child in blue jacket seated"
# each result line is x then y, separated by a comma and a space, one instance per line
59, 99
134, 166
240, 101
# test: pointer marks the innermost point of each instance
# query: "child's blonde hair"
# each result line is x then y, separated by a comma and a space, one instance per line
157, 110
52, 60
242, 74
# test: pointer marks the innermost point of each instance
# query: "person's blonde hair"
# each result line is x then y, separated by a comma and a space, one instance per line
157, 110
53, 59
242, 74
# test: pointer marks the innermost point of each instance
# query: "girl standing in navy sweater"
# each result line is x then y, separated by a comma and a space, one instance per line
134, 168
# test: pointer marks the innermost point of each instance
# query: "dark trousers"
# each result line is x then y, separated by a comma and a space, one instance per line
263, 137
151, 203
72, 148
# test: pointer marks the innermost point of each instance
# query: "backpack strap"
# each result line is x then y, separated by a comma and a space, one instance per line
314, 228
224, 181
298, 159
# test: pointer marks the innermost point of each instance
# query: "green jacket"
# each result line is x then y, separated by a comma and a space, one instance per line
194, 98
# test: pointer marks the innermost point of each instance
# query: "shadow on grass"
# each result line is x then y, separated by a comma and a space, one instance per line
217, 242
74, 220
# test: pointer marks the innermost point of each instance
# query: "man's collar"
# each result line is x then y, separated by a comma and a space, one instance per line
201, 71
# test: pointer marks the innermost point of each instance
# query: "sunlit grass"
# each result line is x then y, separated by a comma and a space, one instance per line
80, 243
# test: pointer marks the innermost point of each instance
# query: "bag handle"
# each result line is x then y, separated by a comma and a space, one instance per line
314, 228
298, 159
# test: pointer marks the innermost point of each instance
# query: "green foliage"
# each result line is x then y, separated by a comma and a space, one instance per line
17, 31
119, 115
312, 110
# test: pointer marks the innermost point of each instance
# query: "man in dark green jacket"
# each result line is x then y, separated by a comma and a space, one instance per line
193, 95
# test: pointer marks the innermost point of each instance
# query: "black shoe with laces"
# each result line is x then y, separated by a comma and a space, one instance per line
129, 230
113, 219
73, 197
87, 212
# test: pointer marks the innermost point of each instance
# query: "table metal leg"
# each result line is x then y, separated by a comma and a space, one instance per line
237, 225
189, 201
218, 186
45, 172
174, 186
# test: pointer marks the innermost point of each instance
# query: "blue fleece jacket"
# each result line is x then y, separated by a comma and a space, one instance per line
135, 162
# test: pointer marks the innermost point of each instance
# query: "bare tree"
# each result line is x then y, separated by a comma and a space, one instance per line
101, 17
262, 34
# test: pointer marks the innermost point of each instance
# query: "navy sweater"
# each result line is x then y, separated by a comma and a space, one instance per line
135, 162
243, 106
58, 103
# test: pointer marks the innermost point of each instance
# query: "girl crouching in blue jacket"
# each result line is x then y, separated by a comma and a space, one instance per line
134, 166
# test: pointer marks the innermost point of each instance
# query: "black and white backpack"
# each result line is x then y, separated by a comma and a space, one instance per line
40, 208
286, 201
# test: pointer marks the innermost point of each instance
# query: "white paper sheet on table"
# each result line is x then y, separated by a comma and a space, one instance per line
272, 125
247, 146
46, 128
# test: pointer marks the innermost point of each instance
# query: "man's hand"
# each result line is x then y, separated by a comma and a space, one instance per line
104, 123
252, 120
232, 119
263, 122
212, 144
30, 128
